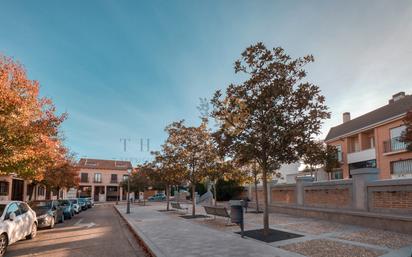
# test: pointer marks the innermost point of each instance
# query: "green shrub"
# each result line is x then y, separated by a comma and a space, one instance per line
228, 190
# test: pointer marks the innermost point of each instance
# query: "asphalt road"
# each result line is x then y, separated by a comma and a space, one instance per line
96, 232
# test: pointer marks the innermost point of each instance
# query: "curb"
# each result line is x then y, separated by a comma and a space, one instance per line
145, 242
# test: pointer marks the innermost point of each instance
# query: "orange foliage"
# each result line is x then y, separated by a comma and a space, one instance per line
30, 141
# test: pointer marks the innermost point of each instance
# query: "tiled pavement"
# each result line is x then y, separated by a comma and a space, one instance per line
170, 235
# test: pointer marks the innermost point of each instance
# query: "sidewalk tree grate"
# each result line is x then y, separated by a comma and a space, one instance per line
273, 236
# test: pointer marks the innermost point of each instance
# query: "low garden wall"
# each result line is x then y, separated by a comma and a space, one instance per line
361, 200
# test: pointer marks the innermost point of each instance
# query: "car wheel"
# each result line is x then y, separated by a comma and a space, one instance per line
3, 244
69, 217
52, 222
33, 232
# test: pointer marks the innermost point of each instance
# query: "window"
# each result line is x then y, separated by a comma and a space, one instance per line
397, 132
125, 177
339, 148
337, 174
84, 177
23, 208
12, 208
97, 178
402, 168
113, 178
4, 188
395, 142
40, 190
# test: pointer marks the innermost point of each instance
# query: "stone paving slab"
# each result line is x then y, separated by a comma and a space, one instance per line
177, 237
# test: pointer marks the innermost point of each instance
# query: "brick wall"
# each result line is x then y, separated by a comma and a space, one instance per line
283, 195
390, 196
328, 197
260, 195
392, 200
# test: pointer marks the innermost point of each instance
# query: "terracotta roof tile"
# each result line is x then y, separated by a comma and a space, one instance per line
103, 164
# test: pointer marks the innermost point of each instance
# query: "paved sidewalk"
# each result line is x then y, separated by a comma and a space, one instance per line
172, 236
167, 234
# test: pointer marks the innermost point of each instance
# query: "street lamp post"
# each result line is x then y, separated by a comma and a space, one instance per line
129, 171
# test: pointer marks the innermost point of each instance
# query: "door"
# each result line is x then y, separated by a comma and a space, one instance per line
16, 231
17, 190
26, 218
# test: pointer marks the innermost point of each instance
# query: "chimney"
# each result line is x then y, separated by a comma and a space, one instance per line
396, 97
346, 117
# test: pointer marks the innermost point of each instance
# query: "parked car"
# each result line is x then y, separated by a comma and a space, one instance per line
82, 203
88, 202
68, 210
17, 221
48, 212
76, 205
157, 197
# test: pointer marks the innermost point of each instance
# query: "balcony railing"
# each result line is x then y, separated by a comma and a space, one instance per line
97, 181
364, 155
393, 145
84, 180
113, 181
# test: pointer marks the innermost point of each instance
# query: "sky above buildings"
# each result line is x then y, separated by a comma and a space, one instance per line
126, 69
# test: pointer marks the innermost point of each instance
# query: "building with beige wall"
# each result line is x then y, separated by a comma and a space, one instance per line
14, 188
100, 179
373, 140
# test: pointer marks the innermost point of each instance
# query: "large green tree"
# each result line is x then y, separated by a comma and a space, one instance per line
273, 114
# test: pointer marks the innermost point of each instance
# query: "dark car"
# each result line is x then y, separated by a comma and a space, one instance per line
48, 212
68, 209
82, 203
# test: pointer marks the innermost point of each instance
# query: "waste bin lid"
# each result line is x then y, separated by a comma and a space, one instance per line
236, 202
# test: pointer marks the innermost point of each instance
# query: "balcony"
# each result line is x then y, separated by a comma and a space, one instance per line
84, 180
360, 156
394, 145
113, 181
97, 181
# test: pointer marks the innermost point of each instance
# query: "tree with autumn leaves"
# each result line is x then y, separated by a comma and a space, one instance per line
407, 135
192, 149
30, 141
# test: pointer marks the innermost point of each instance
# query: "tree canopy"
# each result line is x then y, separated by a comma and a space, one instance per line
272, 115
30, 140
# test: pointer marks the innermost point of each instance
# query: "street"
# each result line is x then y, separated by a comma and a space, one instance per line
96, 232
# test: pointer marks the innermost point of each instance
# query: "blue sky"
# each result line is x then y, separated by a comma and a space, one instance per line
125, 69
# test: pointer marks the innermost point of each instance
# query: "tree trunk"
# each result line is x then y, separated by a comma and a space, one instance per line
193, 199
167, 197
214, 192
256, 195
266, 204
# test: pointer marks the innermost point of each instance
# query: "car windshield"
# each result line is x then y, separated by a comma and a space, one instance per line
73, 201
41, 205
81, 200
64, 202
2, 207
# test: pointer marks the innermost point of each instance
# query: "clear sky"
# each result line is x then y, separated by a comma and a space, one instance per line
125, 69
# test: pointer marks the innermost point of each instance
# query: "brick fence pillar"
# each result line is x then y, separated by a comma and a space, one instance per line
360, 191
300, 191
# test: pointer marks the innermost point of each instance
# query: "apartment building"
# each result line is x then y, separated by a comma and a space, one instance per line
100, 179
373, 140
